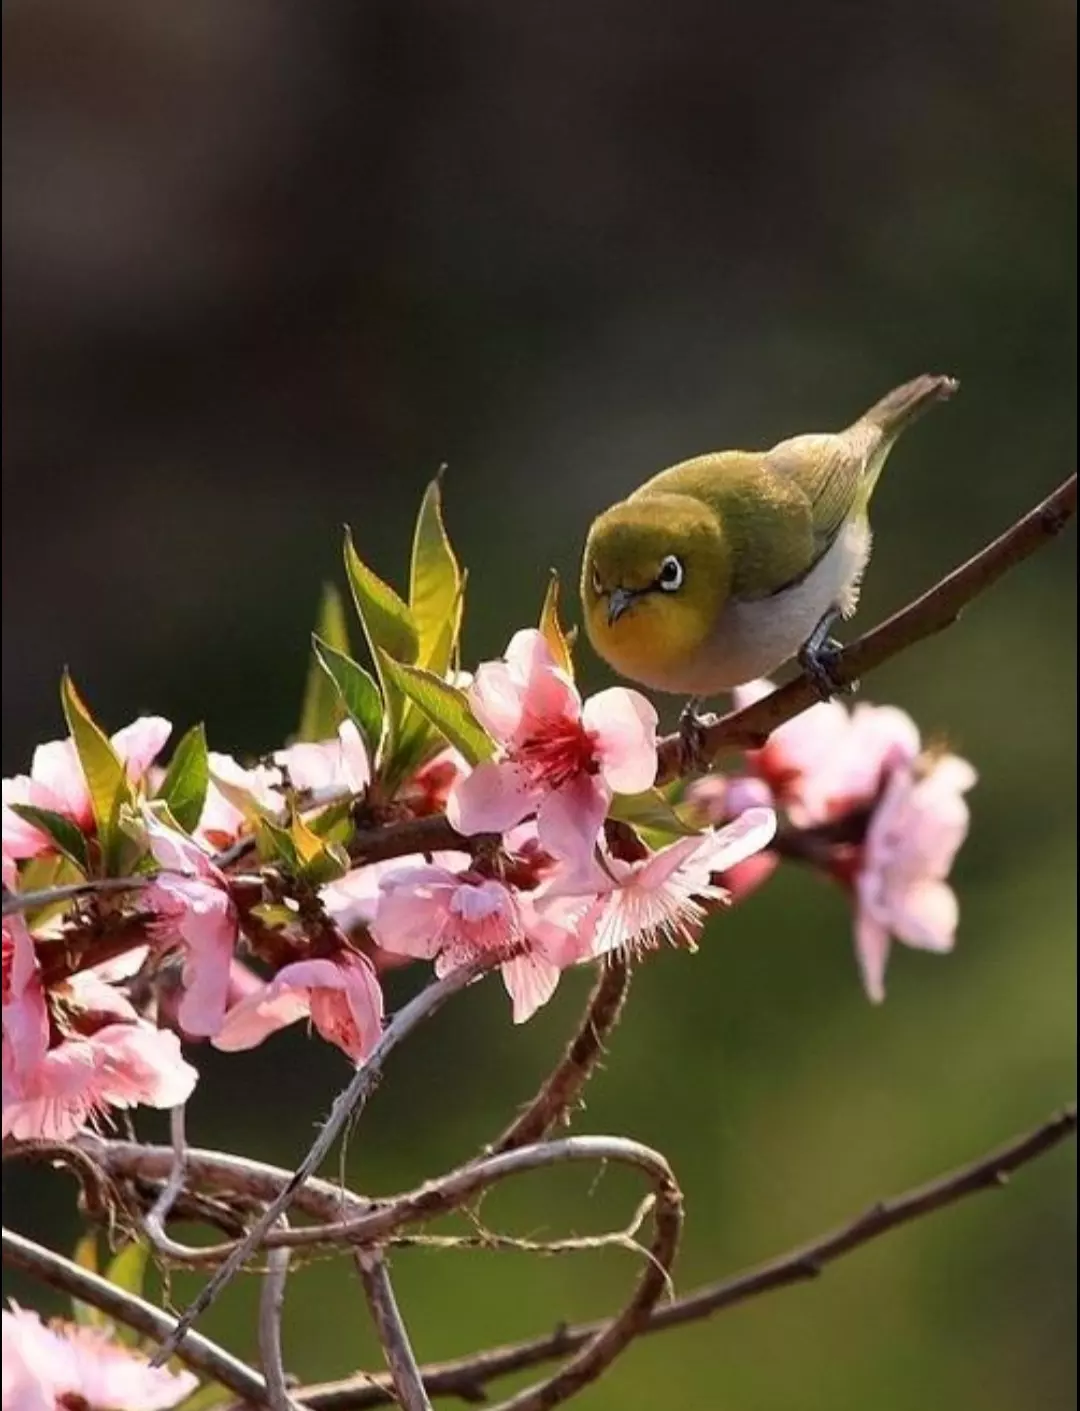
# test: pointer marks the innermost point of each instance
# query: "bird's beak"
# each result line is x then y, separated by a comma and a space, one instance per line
619, 599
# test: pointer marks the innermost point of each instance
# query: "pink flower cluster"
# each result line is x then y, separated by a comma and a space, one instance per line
542, 881
48, 1367
890, 815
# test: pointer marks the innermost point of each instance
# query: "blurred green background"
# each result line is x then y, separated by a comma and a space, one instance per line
269, 264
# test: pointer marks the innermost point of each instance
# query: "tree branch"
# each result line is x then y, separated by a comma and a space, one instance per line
348, 1103
935, 610
467, 1377
198, 1352
564, 1083
397, 1349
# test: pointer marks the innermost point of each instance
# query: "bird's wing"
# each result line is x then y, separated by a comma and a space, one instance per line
830, 471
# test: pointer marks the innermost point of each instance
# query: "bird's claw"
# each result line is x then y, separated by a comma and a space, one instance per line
693, 727
820, 661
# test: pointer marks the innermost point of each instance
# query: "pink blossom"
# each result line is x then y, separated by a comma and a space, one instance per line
49, 1367
25, 1016
716, 800
223, 820
558, 758
56, 782
194, 910
911, 842
341, 996
632, 906
828, 761
458, 918
328, 768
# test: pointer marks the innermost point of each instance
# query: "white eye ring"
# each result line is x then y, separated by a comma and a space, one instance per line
670, 577
597, 585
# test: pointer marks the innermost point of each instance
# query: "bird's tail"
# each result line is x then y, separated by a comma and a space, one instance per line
900, 407
876, 431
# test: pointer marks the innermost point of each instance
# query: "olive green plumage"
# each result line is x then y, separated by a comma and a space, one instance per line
763, 544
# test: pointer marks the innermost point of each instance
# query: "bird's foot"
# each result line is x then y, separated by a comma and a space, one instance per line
693, 727
819, 658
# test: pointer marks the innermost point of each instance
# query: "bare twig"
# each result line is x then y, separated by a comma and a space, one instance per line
404, 1371
931, 613
564, 1083
271, 1306
467, 1377
348, 1103
198, 1352
47, 896
156, 1216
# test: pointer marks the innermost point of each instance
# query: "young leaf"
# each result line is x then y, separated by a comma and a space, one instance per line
320, 861
558, 641
274, 844
436, 585
64, 835
386, 620
105, 777
444, 706
187, 779
85, 1255
356, 691
650, 812
322, 711
389, 627
127, 1270
334, 823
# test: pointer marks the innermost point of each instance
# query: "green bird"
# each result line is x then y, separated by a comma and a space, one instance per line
722, 568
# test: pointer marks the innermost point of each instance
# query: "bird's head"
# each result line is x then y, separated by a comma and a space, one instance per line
654, 579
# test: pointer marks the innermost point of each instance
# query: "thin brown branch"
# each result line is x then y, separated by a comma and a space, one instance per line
70, 891
198, 1352
348, 1103
271, 1308
565, 1082
931, 613
401, 1361
467, 1377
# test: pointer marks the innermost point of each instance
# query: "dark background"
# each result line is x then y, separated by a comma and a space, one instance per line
267, 265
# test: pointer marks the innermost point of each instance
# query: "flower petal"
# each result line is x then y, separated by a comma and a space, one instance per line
568, 821
530, 982
624, 725
493, 798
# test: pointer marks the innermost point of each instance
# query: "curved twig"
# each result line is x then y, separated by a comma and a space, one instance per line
198, 1352
564, 1083
271, 1307
348, 1103
468, 1377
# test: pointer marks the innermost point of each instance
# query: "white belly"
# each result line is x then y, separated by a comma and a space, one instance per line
754, 637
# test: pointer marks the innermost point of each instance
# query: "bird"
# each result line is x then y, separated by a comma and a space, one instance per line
720, 569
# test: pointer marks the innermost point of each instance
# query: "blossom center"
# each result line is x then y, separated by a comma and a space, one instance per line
556, 751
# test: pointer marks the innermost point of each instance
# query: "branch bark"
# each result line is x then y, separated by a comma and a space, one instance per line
397, 1349
467, 1377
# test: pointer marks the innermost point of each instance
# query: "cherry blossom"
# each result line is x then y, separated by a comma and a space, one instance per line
911, 842
63, 1365
558, 757
664, 896
328, 768
222, 819
341, 996
195, 911
457, 918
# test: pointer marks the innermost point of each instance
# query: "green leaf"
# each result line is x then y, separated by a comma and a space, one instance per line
651, 813
320, 861
322, 711
356, 690
559, 642
335, 822
274, 844
63, 834
102, 768
389, 627
436, 586
127, 1270
85, 1255
444, 706
187, 779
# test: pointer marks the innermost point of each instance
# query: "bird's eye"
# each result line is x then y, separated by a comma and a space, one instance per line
670, 577
597, 584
